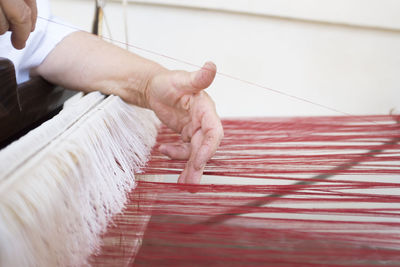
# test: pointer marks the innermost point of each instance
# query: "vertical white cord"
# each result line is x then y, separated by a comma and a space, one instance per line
125, 18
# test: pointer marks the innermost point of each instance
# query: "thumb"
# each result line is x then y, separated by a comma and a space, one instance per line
202, 79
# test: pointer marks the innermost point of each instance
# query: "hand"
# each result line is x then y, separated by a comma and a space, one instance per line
19, 17
178, 99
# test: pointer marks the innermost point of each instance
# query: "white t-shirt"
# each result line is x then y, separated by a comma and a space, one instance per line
45, 37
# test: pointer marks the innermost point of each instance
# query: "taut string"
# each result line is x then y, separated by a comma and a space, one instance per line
219, 73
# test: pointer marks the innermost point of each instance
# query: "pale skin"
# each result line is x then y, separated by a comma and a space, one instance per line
86, 63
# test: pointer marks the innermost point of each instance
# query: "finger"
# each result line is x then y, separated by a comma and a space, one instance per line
19, 17
4, 26
176, 151
194, 82
183, 175
32, 5
211, 131
205, 140
203, 78
188, 130
190, 175
209, 146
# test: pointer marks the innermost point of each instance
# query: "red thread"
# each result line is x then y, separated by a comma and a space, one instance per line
344, 210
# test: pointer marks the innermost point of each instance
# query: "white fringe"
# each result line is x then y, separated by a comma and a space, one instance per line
55, 204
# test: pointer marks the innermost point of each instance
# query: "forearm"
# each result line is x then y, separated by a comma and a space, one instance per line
86, 63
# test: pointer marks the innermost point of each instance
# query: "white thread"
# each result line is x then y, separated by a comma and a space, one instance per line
54, 207
17, 153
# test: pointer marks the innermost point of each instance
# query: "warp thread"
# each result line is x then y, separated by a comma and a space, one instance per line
342, 210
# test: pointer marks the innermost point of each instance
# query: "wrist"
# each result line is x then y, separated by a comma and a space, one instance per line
137, 90
151, 82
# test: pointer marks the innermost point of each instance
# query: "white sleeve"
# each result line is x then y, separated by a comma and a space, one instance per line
48, 33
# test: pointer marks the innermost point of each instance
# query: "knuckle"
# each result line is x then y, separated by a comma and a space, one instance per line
23, 16
26, 15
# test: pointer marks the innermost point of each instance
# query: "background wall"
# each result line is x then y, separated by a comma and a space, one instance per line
344, 54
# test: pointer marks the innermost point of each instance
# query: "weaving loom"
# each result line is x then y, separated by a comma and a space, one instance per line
304, 191
325, 193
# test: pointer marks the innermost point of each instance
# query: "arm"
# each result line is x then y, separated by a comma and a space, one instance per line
84, 62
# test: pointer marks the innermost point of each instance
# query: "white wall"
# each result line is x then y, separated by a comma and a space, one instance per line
372, 13
340, 53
